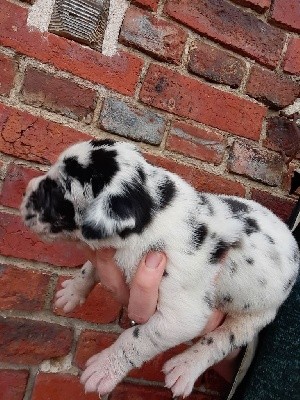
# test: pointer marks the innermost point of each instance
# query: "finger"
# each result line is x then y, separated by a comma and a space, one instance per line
144, 289
110, 275
216, 319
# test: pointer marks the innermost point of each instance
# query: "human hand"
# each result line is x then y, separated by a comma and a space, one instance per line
142, 297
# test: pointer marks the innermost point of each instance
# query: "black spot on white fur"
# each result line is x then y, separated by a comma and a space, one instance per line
101, 168
205, 204
237, 207
136, 332
251, 226
166, 191
219, 251
135, 202
199, 234
249, 260
102, 142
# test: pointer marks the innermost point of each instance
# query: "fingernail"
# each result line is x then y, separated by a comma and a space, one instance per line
153, 259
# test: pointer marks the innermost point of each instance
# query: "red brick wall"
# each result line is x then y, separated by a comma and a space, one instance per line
200, 84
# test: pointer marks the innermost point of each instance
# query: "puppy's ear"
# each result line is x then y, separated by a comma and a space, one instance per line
124, 213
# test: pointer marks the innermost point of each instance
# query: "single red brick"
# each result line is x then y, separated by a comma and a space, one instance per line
286, 13
90, 343
17, 241
15, 183
58, 95
272, 89
23, 341
281, 135
119, 72
8, 67
256, 163
280, 206
100, 306
159, 38
292, 57
195, 142
216, 65
187, 97
60, 387
13, 384
128, 391
229, 25
15, 293
149, 4
258, 5
201, 180
33, 138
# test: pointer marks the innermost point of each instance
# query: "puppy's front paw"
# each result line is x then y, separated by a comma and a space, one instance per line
102, 373
69, 296
180, 374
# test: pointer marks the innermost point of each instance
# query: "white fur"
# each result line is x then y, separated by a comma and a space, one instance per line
250, 293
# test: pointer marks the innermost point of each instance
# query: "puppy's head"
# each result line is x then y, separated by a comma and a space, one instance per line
94, 191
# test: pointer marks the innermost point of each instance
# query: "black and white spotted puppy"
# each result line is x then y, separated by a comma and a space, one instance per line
106, 194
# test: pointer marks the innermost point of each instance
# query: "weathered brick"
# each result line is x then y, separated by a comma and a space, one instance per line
229, 25
58, 95
119, 72
15, 293
15, 183
26, 136
256, 163
161, 39
271, 88
129, 391
187, 97
60, 387
292, 58
149, 4
99, 307
286, 13
201, 180
280, 206
281, 135
216, 65
13, 384
23, 341
90, 343
195, 142
257, 5
8, 67
132, 122
17, 241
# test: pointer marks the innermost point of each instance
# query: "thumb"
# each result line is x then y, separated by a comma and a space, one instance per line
144, 288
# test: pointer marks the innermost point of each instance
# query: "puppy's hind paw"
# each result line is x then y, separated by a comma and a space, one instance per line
179, 377
100, 374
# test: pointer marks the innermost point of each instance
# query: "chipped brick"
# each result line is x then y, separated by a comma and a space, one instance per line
271, 88
255, 163
23, 341
58, 95
194, 142
216, 65
135, 123
161, 39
